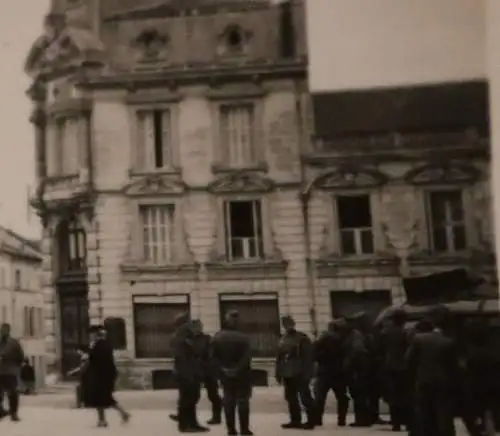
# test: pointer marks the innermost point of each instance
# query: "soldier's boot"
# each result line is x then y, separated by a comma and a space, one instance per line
230, 417
342, 409
244, 419
216, 418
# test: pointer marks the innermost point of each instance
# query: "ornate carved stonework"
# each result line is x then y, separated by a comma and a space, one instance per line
443, 174
151, 44
400, 219
343, 178
154, 185
241, 182
64, 44
233, 41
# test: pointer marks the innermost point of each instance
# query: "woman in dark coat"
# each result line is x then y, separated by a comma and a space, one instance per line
101, 376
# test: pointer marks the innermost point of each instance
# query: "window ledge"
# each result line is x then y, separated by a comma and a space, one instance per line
224, 169
430, 258
336, 265
264, 269
141, 272
175, 171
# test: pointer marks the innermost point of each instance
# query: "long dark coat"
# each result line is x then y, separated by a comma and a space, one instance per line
100, 376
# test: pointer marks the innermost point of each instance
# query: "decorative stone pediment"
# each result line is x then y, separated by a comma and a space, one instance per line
63, 45
154, 185
151, 45
342, 178
441, 174
233, 40
241, 182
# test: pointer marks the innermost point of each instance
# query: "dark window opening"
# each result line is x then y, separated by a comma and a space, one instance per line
243, 221
17, 279
158, 138
355, 224
235, 39
348, 303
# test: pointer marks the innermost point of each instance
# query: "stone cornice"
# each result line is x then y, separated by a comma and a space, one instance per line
349, 266
264, 270
73, 106
139, 272
398, 148
173, 76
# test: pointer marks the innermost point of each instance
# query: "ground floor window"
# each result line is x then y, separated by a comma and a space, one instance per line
260, 319
154, 323
347, 303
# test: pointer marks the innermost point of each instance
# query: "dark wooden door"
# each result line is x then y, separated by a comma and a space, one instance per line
348, 303
74, 310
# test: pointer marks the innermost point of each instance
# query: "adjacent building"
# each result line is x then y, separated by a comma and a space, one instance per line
399, 168
21, 297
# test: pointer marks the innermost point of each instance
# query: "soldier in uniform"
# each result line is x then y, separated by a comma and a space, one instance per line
189, 374
210, 381
394, 345
357, 365
294, 369
232, 357
433, 358
329, 356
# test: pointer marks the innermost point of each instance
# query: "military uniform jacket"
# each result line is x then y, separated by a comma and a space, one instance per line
295, 356
394, 344
329, 354
232, 354
188, 355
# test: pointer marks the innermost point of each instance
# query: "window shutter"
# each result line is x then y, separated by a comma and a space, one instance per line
51, 150
71, 146
149, 141
166, 123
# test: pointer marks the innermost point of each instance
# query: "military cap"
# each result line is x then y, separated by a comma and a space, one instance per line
287, 319
96, 328
181, 319
232, 314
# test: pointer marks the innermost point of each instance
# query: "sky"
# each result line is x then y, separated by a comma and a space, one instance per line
20, 25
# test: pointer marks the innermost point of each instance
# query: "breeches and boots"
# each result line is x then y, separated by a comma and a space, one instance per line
189, 396
324, 384
236, 399
9, 387
297, 391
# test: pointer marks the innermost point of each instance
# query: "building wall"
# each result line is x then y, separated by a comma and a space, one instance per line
403, 43
21, 305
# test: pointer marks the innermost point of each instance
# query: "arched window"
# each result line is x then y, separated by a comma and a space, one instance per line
72, 246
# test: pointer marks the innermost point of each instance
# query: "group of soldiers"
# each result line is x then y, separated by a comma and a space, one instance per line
419, 373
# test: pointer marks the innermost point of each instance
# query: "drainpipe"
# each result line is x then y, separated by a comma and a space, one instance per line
305, 196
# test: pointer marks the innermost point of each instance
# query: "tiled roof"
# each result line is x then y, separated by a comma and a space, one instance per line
431, 108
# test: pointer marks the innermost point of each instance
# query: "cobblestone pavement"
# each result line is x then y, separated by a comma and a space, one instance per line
63, 422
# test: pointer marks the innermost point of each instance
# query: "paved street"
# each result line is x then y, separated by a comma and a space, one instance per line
63, 422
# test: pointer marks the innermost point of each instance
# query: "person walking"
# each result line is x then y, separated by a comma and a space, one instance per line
232, 354
294, 370
11, 359
81, 371
102, 373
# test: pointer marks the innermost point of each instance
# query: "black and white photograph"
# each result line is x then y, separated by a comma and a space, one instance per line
249, 217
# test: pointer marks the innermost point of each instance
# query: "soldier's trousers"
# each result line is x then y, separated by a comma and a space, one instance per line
323, 385
434, 410
236, 398
189, 395
297, 390
362, 401
398, 393
212, 387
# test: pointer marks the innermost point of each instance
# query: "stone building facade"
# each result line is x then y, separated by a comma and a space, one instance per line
176, 173
168, 150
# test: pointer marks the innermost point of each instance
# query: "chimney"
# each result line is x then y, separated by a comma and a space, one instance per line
287, 29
